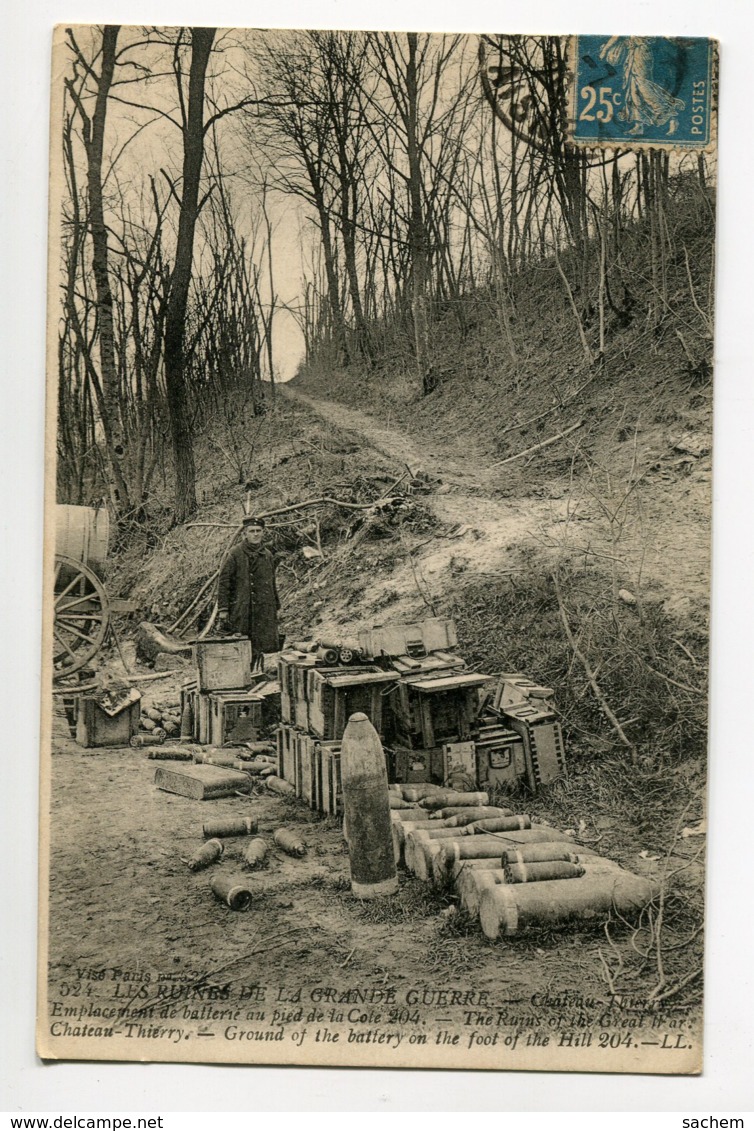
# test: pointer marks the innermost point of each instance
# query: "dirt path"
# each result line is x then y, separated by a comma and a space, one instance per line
658, 539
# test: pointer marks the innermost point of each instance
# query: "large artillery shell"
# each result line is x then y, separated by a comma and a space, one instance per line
255, 853
499, 824
233, 826
139, 740
536, 853
289, 842
232, 890
279, 786
366, 802
146, 723
543, 870
481, 846
473, 882
451, 798
168, 754
397, 802
215, 758
153, 714
187, 721
510, 908
464, 815
419, 790
206, 855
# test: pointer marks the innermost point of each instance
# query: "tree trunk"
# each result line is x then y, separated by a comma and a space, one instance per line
175, 379
417, 230
109, 403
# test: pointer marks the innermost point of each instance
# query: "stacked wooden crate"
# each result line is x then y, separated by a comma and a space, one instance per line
437, 721
225, 704
334, 695
527, 710
317, 699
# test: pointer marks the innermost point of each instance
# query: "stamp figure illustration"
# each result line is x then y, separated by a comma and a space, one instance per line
642, 91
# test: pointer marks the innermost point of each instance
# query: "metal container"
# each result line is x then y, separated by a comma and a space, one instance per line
232, 826
82, 533
232, 890
208, 854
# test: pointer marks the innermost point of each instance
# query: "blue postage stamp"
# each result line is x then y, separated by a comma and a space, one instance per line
643, 91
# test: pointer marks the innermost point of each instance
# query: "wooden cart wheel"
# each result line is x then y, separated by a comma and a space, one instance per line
82, 615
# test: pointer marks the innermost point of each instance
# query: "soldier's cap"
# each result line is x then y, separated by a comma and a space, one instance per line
251, 520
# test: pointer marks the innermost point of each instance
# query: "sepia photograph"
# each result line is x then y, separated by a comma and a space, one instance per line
377, 548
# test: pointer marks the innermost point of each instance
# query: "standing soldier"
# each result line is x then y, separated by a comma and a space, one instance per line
247, 599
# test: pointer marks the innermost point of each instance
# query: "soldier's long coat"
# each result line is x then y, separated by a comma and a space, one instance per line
248, 591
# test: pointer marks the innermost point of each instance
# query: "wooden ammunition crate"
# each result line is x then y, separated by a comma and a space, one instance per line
500, 757
201, 782
437, 707
331, 791
459, 761
287, 753
335, 697
542, 739
412, 765
234, 716
436, 661
97, 726
223, 664
202, 718
305, 767
516, 690
287, 664
431, 635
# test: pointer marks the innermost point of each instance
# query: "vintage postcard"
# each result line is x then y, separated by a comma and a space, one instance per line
378, 538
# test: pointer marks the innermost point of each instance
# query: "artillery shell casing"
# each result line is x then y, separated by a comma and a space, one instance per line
289, 843
537, 871
233, 891
536, 853
206, 855
169, 754
233, 826
454, 799
139, 740
280, 786
255, 852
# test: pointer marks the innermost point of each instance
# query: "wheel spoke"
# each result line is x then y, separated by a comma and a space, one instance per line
70, 586
81, 615
75, 632
66, 616
60, 640
74, 602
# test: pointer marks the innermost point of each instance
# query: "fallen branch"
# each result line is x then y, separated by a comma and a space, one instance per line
298, 507
548, 412
210, 581
146, 678
612, 718
325, 500
537, 447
